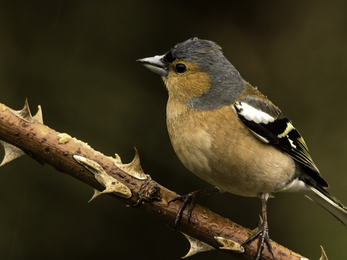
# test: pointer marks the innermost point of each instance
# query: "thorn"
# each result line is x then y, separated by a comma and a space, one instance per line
228, 244
196, 246
111, 184
323, 256
118, 160
25, 114
96, 194
133, 168
38, 117
11, 153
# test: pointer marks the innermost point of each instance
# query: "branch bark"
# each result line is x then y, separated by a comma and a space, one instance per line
46, 145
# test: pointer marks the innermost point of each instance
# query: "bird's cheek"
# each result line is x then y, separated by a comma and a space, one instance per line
185, 87
197, 84
176, 87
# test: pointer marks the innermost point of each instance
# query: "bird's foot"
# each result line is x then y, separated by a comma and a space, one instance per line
192, 199
263, 233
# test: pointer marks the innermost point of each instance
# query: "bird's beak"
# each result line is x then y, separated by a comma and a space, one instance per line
155, 64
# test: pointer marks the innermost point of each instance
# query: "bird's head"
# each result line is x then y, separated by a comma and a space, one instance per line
197, 74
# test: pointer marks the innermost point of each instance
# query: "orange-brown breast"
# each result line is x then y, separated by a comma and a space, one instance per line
216, 146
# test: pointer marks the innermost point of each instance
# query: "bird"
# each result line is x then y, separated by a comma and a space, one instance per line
229, 134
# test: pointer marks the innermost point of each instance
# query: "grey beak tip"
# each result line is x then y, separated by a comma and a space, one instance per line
155, 64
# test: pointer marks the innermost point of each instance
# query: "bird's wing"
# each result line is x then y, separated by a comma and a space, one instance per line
270, 126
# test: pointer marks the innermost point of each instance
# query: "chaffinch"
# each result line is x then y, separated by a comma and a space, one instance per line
229, 134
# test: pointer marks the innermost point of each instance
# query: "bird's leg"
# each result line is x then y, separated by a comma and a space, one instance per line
192, 199
263, 230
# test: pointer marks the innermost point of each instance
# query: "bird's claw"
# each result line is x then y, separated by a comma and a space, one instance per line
191, 199
263, 232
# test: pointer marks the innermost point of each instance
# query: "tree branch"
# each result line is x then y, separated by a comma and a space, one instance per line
125, 182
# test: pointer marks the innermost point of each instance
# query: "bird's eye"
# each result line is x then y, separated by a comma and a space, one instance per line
180, 68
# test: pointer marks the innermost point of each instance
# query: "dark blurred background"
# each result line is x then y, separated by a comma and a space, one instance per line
77, 60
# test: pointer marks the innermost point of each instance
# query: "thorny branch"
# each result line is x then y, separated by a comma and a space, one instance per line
21, 133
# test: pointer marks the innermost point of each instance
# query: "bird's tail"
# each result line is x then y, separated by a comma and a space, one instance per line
328, 202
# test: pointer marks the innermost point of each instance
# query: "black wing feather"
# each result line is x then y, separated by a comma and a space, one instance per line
280, 133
